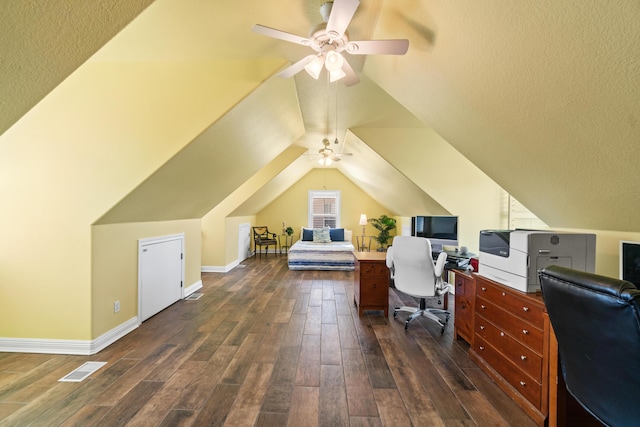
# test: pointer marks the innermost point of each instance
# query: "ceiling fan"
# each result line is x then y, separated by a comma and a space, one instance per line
329, 40
327, 155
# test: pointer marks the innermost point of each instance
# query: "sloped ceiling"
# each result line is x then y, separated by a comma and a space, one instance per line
542, 96
44, 41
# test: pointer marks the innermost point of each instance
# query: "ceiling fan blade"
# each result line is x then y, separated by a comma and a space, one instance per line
342, 12
334, 158
378, 47
277, 34
350, 77
296, 67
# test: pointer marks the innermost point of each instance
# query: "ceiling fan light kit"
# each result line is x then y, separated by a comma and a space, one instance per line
329, 39
315, 67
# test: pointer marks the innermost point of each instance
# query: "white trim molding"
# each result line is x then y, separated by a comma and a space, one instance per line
191, 289
219, 269
74, 347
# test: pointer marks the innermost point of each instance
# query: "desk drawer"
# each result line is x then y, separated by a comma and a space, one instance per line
511, 302
373, 270
521, 356
523, 383
464, 316
522, 331
463, 285
374, 291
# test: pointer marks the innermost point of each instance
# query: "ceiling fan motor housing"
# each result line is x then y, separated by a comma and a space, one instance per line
325, 10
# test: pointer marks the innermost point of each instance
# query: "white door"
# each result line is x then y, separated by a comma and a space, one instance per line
244, 241
160, 274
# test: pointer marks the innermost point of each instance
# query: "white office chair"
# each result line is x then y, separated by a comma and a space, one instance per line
414, 273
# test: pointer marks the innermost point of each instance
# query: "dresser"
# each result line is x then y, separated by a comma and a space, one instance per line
371, 282
464, 286
511, 343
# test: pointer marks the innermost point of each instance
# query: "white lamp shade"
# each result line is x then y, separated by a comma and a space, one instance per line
336, 75
325, 161
314, 67
363, 219
333, 61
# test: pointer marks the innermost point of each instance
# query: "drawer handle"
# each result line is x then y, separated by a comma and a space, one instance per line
482, 306
459, 284
525, 331
504, 294
463, 305
525, 308
483, 288
523, 384
481, 348
501, 334
523, 357
374, 286
482, 327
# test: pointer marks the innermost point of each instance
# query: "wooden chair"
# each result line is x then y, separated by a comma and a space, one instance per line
263, 237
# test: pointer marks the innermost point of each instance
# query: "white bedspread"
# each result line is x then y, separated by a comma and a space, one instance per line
304, 255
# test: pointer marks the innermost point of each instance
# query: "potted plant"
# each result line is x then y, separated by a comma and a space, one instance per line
384, 225
289, 231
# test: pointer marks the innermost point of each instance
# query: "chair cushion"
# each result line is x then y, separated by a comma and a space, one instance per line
336, 234
307, 234
321, 235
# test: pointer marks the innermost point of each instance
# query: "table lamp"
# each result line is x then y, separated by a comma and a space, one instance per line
363, 223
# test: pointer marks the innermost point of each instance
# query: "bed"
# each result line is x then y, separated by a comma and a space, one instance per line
322, 254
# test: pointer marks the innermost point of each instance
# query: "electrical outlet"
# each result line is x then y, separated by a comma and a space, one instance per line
116, 306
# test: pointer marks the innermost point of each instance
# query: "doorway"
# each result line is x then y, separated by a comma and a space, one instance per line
244, 241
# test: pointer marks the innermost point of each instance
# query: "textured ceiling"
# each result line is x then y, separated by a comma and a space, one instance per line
543, 96
44, 41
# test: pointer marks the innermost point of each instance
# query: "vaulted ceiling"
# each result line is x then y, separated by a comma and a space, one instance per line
540, 96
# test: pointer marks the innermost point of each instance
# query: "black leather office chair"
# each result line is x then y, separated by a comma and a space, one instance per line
596, 320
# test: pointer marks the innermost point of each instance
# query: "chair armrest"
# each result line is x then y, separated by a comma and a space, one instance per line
440, 262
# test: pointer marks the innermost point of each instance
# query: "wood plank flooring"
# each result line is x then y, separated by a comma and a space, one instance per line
264, 346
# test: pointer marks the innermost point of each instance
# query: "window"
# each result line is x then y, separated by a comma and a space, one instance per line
324, 209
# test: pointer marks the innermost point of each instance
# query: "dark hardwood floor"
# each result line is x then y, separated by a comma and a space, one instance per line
264, 346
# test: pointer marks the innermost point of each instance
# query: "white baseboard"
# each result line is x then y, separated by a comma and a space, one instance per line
191, 289
75, 347
218, 269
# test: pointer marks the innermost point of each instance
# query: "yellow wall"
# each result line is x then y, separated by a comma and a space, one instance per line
115, 266
446, 175
77, 153
231, 241
220, 225
292, 206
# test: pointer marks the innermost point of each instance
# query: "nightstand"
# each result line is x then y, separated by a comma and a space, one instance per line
371, 282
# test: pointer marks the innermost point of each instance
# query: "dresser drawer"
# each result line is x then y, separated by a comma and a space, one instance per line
521, 356
522, 331
503, 297
374, 291
368, 269
523, 383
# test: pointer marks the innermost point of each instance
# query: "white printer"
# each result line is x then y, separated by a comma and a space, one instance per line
513, 257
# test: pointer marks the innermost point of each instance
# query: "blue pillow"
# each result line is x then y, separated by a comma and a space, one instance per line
307, 234
336, 234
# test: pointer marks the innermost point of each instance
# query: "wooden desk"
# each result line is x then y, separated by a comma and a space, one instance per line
371, 282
